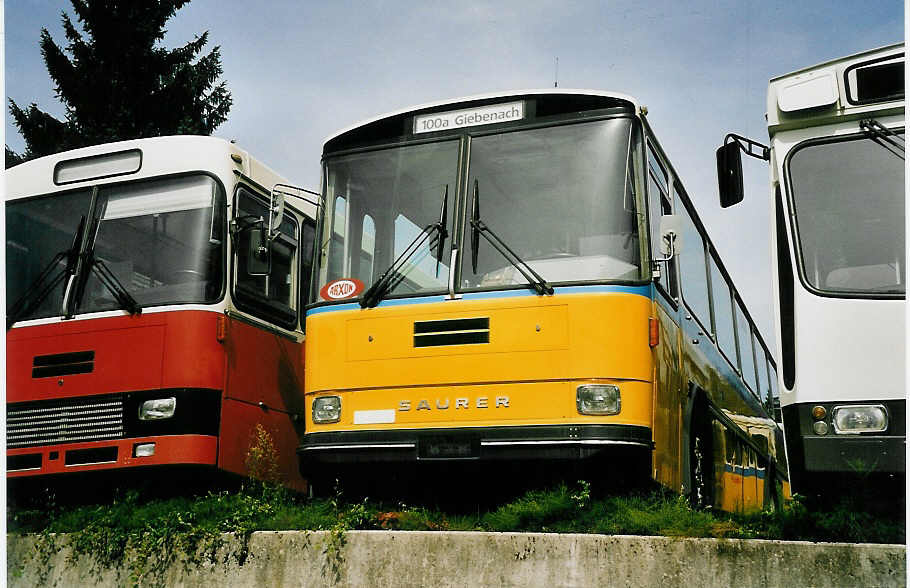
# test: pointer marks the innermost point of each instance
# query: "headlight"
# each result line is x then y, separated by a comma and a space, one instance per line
860, 419
155, 410
327, 409
597, 399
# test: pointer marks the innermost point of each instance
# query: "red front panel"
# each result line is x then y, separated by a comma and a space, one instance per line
129, 356
146, 352
258, 376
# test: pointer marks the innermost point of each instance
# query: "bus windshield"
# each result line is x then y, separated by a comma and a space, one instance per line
848, 198
161, 239
561, 197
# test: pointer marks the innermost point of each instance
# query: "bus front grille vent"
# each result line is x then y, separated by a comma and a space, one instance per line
464, 331
63, 364
68, 420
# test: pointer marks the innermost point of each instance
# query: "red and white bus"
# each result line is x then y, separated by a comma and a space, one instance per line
155, 290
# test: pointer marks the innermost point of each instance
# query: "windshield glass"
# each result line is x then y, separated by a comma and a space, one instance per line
377, 203
848, 198
36, 231
161, 239
560, 197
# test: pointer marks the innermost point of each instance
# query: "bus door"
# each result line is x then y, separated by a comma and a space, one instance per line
668, 395
263, 343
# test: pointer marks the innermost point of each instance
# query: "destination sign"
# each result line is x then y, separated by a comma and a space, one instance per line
469, 117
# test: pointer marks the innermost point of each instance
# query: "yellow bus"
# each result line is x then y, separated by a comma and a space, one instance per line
521, 278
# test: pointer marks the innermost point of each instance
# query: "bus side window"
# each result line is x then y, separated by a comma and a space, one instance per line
761, 367
775, 395
307, 247
693, 274
660, 203
744, 337
723, 313
730, 442
273, 296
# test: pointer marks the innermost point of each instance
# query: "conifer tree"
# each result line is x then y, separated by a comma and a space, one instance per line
116, 81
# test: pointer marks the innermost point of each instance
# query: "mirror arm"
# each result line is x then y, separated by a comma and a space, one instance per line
671, 253
750, 147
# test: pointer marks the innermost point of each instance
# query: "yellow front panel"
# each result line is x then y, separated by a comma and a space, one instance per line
540, 349
530, 403
519, 329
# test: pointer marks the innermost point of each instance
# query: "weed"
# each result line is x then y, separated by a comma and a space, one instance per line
144, 537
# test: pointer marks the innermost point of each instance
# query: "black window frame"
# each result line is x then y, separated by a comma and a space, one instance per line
794, 222
253, 303
670, 292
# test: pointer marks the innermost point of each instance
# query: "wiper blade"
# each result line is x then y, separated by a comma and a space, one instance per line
478, 228
40, 289
115, 287
887, 138
86, 262
392, 277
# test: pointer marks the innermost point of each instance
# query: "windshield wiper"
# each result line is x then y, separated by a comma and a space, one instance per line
478, 227
885, 136
87, 263
40, 289
114, 286
392, 277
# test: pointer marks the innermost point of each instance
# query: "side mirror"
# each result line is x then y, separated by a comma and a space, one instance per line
258, 258
670, 236
730, 174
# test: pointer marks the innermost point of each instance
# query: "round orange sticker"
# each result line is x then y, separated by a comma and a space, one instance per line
341, 289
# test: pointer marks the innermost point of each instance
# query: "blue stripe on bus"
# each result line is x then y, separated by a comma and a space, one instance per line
745, 472
638, 290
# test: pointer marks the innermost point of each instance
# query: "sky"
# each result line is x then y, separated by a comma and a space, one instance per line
301, 71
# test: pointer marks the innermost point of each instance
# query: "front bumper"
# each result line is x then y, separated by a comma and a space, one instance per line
835, 453
567, 442
860, 455
111, 454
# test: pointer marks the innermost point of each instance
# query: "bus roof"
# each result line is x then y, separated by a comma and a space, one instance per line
481, 97
834, 90
153, 157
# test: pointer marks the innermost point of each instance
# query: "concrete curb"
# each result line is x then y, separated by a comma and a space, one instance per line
426, 558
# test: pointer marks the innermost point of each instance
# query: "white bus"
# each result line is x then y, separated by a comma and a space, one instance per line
155, 290
839, 270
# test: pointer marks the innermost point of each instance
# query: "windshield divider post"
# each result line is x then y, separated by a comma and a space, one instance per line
82, 258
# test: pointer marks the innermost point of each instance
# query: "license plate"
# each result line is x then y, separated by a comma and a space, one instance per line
447, 448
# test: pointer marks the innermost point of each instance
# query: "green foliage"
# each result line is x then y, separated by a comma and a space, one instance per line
117, 82
143, 537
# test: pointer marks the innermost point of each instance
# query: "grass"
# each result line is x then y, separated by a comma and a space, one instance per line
130, 517
145, 534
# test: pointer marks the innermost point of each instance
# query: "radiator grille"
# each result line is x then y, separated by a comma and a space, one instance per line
63, 364
68, 420
452, 332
